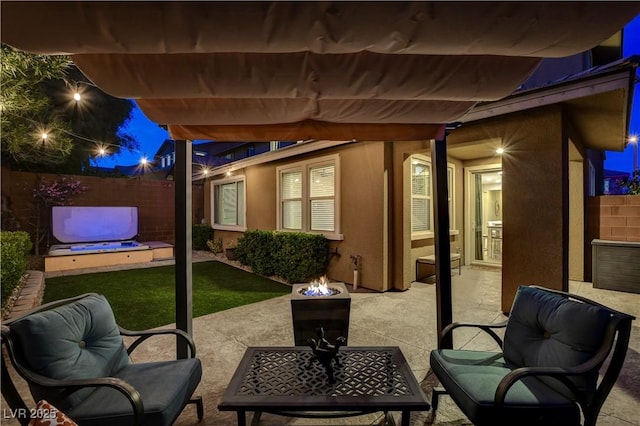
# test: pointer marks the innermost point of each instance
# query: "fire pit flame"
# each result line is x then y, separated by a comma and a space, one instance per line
319, 287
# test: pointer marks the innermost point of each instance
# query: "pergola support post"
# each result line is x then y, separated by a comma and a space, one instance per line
442, 243
183, 280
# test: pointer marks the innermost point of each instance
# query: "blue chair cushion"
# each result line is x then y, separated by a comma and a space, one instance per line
548, 330
78, 340
165, 387
472, 377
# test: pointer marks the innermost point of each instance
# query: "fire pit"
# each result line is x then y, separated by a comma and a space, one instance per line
320, 304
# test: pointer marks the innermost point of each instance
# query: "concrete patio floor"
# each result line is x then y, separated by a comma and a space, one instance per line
405, 319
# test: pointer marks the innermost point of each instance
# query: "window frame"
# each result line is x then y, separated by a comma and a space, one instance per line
305, 168
415, 159
451, 180
226, 181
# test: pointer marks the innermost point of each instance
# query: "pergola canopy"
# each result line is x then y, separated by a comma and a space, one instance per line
309, 70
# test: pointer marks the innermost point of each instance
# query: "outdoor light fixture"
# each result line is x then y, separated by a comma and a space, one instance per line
500, 150
633, 139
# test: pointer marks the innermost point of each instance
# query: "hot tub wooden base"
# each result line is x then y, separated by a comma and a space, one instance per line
156, 250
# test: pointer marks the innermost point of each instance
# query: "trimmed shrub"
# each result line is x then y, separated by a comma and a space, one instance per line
294, 256
14, 252
256, 249
200, 234
300, 257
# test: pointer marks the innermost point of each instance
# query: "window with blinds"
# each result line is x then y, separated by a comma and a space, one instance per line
308, 196
421, 198
228, 203
321, 198
291, 199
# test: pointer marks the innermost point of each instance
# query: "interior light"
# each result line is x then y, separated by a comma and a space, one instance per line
500, 173
500, 150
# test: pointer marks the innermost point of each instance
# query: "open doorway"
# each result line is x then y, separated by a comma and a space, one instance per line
483, 214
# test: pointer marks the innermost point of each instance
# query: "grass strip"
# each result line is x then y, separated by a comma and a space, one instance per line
145, 298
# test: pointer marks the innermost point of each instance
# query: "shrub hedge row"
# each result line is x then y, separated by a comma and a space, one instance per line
294, 256
200, 234
14, 253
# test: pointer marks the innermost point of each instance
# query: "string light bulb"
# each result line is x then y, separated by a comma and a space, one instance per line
77, 97
144, 161
44, 136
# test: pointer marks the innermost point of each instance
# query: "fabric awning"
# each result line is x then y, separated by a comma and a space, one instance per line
309, 70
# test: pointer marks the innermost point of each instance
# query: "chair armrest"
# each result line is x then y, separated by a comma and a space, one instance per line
112, 382
72, 385
562, 374
487, 328
145, 334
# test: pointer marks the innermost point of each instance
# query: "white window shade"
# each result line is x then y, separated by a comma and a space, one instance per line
292, 214
322, 215
291, 185
322, 182
291, 188
229, 203
422, 213
228, 199
420, 197
240, 203
321, 193
420, 179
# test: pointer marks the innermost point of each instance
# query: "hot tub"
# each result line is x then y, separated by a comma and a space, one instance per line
108, 246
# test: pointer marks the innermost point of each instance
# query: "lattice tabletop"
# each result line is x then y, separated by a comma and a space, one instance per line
292, 372
284, 379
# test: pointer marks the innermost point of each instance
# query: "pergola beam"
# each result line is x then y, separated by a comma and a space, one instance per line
184, 278
442, 243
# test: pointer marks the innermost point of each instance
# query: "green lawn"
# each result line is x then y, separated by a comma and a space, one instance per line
145, 298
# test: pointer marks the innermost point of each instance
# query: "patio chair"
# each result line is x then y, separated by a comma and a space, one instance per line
71, 353
555, 345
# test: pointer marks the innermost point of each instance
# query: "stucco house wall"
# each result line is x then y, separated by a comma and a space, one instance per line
361, 209
535, 196
374, 211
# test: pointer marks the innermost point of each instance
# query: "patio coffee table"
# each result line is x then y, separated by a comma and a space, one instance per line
285, 381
